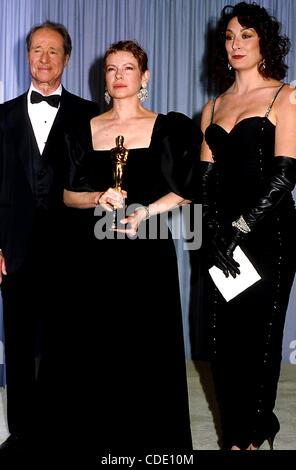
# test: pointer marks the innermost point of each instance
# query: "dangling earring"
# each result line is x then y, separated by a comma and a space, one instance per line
263, 66
143, 94
107, 97
229, 66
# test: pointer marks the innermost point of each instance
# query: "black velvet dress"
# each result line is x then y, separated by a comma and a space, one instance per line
246, 333
134, 386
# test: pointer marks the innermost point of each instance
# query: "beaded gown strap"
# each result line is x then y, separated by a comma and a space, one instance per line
273, 100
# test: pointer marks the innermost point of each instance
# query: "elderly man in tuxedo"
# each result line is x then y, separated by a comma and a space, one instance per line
32, 219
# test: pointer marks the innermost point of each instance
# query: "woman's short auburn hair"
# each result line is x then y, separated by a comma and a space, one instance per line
128, 46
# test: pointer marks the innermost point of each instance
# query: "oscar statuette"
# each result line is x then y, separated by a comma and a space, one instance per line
119, 155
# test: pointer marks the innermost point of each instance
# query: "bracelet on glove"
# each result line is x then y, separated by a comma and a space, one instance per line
241, 225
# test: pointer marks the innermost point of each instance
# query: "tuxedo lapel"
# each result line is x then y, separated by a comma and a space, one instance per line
22, 135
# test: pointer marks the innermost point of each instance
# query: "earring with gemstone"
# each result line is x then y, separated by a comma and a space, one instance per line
143, 94
107, 97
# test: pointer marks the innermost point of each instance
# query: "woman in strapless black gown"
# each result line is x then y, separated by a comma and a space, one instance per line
248, 165
135, 376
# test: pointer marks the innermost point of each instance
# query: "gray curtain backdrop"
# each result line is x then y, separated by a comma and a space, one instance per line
175, 34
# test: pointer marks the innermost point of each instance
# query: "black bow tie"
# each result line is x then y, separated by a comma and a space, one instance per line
52, 100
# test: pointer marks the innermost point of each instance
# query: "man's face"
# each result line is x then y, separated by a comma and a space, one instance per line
47, 58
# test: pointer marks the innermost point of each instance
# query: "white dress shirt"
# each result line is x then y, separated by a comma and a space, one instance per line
42, 116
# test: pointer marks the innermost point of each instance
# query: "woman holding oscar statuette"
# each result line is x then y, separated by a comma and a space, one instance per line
138, 399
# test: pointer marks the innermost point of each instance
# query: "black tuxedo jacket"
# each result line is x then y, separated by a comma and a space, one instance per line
19, 197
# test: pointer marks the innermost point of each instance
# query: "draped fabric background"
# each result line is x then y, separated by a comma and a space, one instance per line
175, 34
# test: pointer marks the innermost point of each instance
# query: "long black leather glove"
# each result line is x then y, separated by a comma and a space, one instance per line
216, 246
282, 181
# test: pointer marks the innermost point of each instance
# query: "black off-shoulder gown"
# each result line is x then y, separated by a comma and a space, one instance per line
133, 393
246, 333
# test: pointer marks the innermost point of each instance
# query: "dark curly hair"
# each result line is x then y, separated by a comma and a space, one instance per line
273, 46
129, 46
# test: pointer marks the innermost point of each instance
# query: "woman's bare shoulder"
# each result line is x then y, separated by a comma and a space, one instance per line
285, 101
101, 117
207, 113
151, 114
287, 91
